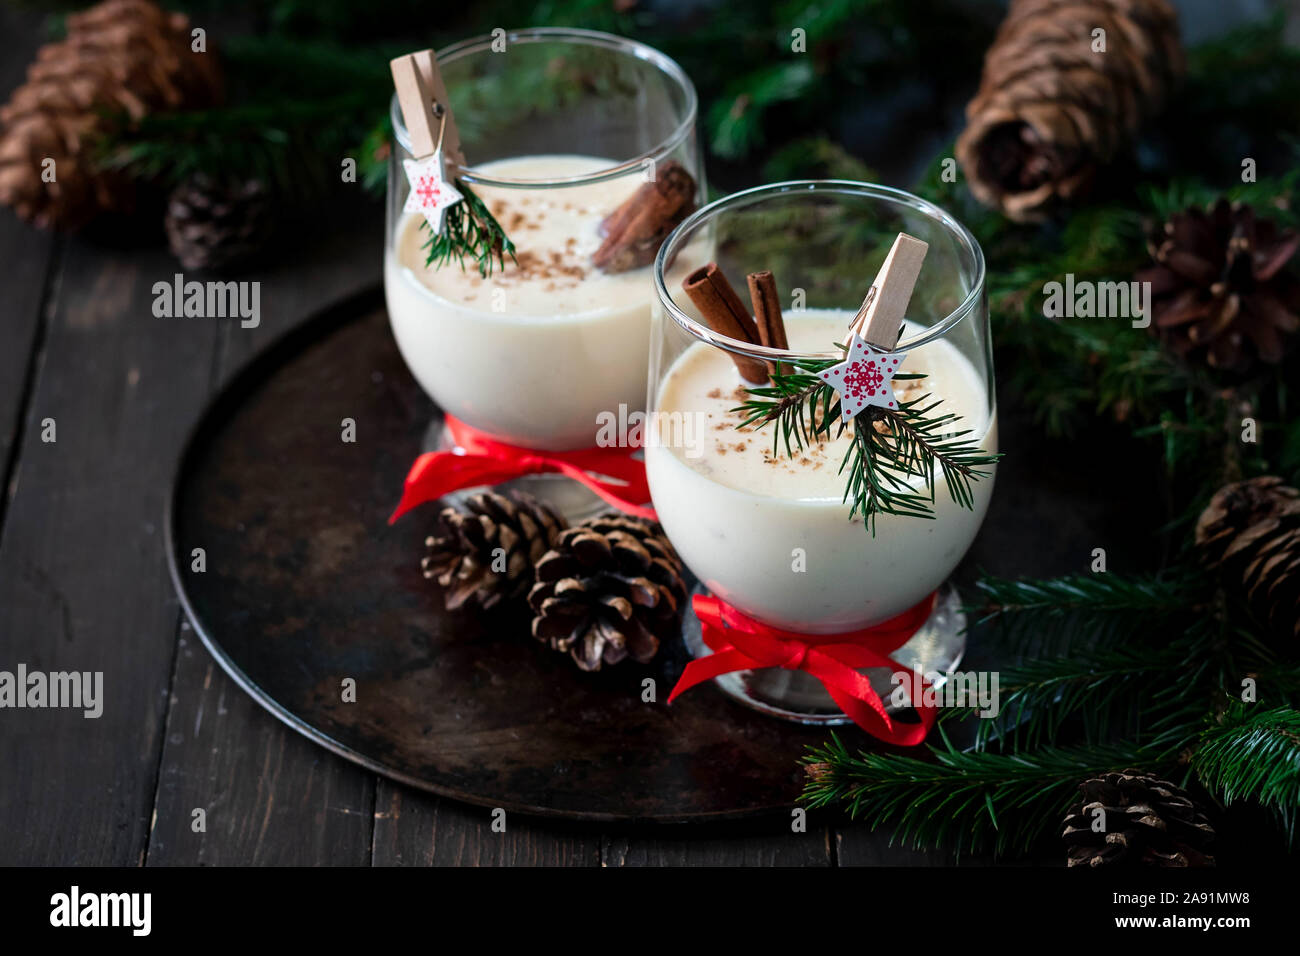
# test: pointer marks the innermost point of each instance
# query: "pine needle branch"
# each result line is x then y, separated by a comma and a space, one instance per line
1057, 616
798, 405
470, 231
893, 452
1102, 693
737, 117
912, 443
298, 108
969, 801
1252, 753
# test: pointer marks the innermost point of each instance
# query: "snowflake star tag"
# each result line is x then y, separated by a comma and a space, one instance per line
864, 378
431, 192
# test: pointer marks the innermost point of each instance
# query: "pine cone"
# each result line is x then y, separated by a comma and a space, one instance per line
610, 588
1251, 532
485, 555
1050, 111
1147, 822
213, 226
1220, 290
122, 59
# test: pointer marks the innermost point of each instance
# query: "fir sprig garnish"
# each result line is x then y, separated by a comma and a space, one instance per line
470, 231
883, 463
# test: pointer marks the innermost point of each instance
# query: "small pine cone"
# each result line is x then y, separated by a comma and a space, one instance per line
121, 61
1250, 531
1147, 822
1221, 292
466, 555
610, 588
215, 226
1051, 109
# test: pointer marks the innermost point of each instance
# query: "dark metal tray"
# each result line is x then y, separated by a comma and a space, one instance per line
307, 585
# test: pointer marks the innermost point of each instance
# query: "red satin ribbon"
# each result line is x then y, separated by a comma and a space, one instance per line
611, 473
741, 643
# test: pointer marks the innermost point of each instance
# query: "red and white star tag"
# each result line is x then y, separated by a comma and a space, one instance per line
431, 191
864, 378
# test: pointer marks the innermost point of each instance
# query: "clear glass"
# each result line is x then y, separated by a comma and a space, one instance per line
774, 538
559, 126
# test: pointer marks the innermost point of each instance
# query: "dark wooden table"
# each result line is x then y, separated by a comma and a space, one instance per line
84, 586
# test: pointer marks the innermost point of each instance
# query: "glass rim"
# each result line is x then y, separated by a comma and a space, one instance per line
594, 38
755, 194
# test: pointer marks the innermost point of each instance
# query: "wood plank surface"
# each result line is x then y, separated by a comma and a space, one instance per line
270, 795
416, 829
769, 842
27, 256
82, 577
858, 845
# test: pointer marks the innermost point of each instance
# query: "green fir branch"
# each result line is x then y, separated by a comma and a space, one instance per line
297, 109
914, 443
967, 801
881, 466
1061, 616
1250, 753
736, 119
1099, 694
470, 231
294, 147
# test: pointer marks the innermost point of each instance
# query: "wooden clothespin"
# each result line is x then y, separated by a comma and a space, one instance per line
865, 376
422, 95
880, 319
433, 172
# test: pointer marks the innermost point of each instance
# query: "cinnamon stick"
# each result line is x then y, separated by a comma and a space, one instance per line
635, 230
725, 314
767, 314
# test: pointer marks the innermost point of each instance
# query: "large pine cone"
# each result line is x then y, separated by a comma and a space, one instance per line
1148, 822
1220, 289
122, 59
611, 588
1251, 531
485, 554
1050, 111
214, 226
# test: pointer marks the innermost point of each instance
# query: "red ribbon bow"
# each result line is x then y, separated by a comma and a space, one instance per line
611, 473
741, 643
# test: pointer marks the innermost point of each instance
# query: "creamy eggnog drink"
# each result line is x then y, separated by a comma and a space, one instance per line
577, 149
736, 509
864, 303
534, 352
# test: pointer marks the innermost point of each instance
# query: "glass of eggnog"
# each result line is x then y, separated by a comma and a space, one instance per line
767, 529
558, 128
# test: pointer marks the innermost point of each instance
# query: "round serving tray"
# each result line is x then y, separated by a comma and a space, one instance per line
305, 585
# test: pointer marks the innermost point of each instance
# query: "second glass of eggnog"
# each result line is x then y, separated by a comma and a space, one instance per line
558, 127
770, 532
